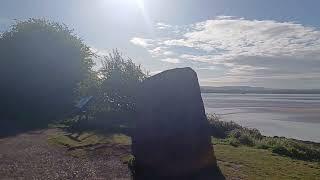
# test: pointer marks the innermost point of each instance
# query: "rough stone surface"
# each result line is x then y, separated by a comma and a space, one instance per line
171, 137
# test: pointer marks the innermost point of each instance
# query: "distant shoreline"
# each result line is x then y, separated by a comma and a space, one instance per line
255, 90
226, 92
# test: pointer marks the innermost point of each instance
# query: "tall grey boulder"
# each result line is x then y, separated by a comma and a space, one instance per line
171, 137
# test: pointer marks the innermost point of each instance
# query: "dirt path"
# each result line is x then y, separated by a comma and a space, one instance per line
29, 156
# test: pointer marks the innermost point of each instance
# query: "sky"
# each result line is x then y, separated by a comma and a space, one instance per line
274, 44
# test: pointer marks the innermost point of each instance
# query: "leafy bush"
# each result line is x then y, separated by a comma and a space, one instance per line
262, 146
114, 91
222, 129
237, 135
42, 63
219, 128
246, 140
243, 137
234, 142
280, 150
120, 78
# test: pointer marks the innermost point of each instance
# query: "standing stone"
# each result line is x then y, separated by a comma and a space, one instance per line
171, 138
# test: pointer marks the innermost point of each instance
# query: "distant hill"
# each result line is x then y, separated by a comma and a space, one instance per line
257, 90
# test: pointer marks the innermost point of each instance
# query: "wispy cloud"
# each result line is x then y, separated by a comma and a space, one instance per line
171, 60
141, 42
161, 25
245, 48
233, 37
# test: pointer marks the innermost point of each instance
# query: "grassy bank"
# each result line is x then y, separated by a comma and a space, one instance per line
236, 135
251, 163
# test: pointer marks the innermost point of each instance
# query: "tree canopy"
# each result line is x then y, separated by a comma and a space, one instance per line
42, 64
115, 87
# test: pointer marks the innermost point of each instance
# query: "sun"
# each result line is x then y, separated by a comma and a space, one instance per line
140, 4
123, 10
129, 3
137, 4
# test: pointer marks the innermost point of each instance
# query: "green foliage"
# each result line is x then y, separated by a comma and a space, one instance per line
280, 150
42, 63
220, 128
234, 142
237, 135
297, 150
246, 140
120, 78
114, 90
87, 138
132, 165
262, 146
245, 162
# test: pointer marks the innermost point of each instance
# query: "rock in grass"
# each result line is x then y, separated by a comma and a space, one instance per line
171, 138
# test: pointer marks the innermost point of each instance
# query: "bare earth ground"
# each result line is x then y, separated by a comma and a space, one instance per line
29, 156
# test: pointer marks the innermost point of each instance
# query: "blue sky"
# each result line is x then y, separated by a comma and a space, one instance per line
268, 43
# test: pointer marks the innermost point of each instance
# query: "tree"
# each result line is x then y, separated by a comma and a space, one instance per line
42, 63
118, 81
120, 78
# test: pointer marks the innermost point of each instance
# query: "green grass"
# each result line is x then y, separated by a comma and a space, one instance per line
87, 138
78, 144
250, 163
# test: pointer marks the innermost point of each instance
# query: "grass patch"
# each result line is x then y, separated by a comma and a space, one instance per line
86, 139
62, 140
78, 153
119, 139
251, 163
127, 159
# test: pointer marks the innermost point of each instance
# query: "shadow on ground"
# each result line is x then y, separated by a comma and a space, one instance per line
210, 173
12, 128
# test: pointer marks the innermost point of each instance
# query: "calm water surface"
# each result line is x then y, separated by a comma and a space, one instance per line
290, 115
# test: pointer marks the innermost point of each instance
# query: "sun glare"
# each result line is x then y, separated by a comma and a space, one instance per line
125, 5
123, 10
129, 3
140, 4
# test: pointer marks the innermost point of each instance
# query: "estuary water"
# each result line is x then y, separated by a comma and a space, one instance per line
289, 115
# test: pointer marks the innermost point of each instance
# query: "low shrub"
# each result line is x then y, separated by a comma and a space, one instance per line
219, 128
243, 137
234, 142
237, 135
281, 150
262, 146
246, 140
222, 129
